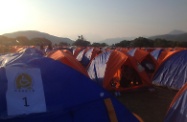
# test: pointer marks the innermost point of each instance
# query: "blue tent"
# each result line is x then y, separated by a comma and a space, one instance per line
44, 90
23, 56
4, 59
172, 72
177, 111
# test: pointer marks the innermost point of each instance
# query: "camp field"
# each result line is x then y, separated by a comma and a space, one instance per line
151, 106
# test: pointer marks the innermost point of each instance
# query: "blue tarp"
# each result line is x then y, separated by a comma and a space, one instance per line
132, 52
173, 72
155, 53
87, 57
178, 112
25, 55
69, 96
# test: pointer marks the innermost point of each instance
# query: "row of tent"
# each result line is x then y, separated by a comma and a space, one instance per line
54, 88
67, 71
134, 68
165, 67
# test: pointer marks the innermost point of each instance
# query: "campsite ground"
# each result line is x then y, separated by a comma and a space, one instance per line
151, 106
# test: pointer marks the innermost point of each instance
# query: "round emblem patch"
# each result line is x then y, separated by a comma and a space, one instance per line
24, 81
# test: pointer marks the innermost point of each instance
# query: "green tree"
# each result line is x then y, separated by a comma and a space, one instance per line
142, 42
63, 44
81, 41
95, 44
40, 41
22, 40
181, 44
124, 43
6, 41
163, 43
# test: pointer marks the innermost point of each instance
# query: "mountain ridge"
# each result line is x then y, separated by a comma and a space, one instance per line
111, 41
171, 37
37, 34
175, 35
176, 32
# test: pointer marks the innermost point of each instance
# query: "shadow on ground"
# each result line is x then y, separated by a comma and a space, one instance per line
151, 106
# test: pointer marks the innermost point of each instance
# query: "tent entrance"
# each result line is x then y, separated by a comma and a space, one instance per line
129, 77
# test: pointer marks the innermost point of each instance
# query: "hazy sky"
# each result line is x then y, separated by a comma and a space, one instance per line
94, 19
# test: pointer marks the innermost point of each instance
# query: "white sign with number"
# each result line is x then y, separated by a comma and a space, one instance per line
25, 94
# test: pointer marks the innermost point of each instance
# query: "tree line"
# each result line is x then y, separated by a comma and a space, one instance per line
145, 42
81, 41
23, 41
137, 42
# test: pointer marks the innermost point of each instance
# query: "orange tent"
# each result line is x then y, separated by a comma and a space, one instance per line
116, 71
67, 58
160, 54
145, 59
94, 52
166, 54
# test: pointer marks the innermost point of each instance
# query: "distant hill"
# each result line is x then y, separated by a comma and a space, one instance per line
36, 34
175, 35
171, 37
111, 41
176, 32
